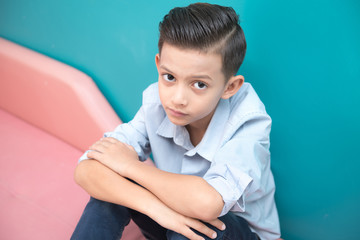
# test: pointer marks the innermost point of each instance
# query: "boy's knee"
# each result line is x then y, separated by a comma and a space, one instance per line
109, 209
102, 213
101, 220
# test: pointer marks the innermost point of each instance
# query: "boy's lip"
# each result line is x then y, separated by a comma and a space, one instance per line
176, 113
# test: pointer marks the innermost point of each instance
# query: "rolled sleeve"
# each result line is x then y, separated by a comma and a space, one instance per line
237, 167
84, 156
226, 180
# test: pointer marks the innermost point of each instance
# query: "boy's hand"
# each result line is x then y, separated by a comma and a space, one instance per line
183, 225
114, 154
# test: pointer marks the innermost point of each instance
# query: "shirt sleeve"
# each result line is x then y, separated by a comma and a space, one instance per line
237, 167
132, 133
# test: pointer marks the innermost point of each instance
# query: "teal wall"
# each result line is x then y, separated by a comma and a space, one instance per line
303, 59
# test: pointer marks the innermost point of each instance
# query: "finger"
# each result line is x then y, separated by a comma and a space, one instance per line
94, 155
104, 142
202, 228
218, 224
100, 144
188, 233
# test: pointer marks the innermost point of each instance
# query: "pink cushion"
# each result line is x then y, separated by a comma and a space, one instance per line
38, 196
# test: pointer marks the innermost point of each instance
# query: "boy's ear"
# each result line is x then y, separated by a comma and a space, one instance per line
157, 60
232, 86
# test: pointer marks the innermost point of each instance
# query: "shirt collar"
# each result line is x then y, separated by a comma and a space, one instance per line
179, 133
212, 138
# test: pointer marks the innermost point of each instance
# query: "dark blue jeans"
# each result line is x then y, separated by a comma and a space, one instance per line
105, 221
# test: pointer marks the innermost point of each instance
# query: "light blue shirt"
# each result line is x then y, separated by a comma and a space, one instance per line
233, 155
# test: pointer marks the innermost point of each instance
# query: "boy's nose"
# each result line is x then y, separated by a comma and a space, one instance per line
179, 97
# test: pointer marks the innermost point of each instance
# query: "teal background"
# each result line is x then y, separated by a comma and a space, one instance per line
303, 59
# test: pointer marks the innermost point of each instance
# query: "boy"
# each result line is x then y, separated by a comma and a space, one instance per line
209, 135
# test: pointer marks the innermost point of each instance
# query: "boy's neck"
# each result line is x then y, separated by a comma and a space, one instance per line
195, 134
197, 130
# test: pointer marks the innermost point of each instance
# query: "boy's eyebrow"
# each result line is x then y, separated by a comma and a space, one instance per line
194, 76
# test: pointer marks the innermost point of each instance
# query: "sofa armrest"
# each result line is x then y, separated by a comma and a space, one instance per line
53, 96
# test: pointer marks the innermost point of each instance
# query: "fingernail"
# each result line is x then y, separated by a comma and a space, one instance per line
223, 227
214, 235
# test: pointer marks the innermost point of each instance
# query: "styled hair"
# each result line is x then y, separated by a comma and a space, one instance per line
207, 28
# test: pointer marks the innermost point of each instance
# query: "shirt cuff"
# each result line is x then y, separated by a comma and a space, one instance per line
84, 156
231, 191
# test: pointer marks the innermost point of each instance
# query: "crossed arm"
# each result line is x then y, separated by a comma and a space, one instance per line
175, 201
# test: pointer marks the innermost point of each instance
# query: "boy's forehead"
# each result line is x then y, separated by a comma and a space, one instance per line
186, 60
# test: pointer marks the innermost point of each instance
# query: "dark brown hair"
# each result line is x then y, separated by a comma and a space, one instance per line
207, 28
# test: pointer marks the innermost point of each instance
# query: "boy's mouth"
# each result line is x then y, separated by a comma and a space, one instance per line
176, 113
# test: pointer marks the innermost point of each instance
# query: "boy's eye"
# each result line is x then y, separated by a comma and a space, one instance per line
200, 85
168, 77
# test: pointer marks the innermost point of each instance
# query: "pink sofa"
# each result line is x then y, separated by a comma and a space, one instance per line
49, 114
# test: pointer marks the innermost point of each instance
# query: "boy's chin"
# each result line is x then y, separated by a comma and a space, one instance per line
178, 122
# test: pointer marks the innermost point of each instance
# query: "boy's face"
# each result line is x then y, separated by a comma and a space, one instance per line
191, 84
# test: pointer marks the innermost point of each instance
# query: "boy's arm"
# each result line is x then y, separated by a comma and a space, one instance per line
189, 195
104, 184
